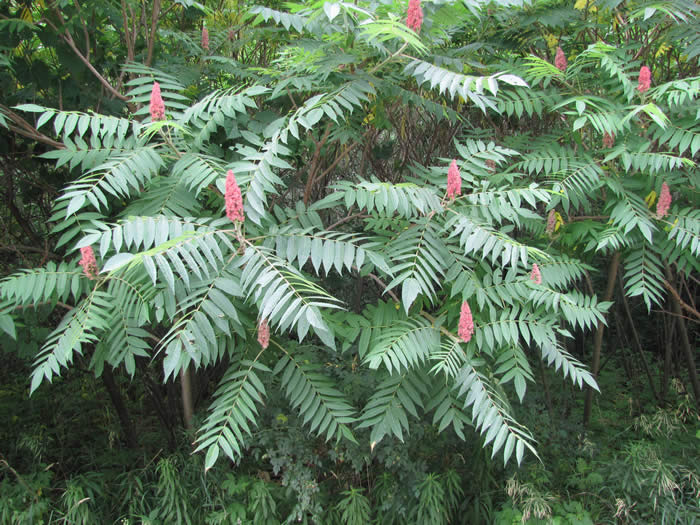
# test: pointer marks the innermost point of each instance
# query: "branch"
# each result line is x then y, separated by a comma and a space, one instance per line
348, 218
314, 164
15, 248
685, 306
42, 303
154, 26
380, 283
127, 34
68, 39
23, 224
391, 57
336, 161
312, 172
85, 30
24, 128
442, 328
589, 218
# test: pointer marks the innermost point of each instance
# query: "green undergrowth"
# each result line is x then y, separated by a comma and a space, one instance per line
635, 464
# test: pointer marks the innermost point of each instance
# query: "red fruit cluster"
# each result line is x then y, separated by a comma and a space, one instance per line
205, 39
664, 202
609, 140
88, 262
157, 106
414, 19
551, 221
233, 199
454, 181
644, 79
560, 60
466, 323
264, 333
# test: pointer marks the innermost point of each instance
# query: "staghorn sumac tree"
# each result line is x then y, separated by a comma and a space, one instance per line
386, 187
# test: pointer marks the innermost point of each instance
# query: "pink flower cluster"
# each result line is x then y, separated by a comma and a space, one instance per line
205, 39
535, 275
644, 79
454, 181
414, 19
157, 105
264, 333
88, 262
466, 323
233, 199
664, 202
560, 59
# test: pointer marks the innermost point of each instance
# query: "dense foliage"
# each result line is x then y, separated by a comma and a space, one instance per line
361, 244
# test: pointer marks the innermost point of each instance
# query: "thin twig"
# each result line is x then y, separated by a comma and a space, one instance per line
680, 301
21, 247
390, 57
68, 39
340, 157
314, 163
4, 463
155, 14
380, 283
672, 314
348, 218
635, 335
24, 128
589, 218
34, 305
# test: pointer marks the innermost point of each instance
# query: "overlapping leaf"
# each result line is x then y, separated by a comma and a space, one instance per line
233, 412
323, 408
